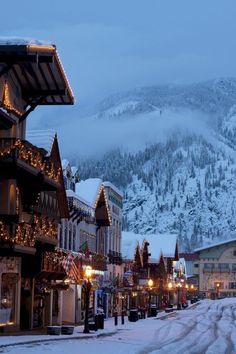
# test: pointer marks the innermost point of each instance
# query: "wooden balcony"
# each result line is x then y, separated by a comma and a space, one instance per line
99, 262
19, 159
80, 211
45, 230
51, 266
26, 234
21, 234
114, 257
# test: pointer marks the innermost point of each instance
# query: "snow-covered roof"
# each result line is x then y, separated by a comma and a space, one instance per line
88, 189
161, 244
70, 193
215, 245
110, 185
22, 41
74, 170
64, 164
129, 243
41, 138
158, 244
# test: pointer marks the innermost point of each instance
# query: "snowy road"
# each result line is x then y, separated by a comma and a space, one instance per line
210, 328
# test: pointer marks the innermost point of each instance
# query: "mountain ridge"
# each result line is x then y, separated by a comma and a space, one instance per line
184, 182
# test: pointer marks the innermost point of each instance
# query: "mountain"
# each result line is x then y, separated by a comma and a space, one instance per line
180, 174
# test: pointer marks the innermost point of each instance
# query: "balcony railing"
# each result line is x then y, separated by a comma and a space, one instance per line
99, 262
81, 210
25, 234
217, 270
115, 257
21, 234
30, 154
52, 262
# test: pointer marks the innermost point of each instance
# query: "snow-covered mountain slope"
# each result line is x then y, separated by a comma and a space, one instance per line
182, 175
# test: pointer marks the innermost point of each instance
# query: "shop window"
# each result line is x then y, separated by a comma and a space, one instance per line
8, 298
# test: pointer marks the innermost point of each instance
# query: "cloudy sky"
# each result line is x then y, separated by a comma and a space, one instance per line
112, 45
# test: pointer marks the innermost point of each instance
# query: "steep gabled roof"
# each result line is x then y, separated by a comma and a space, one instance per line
42, 138
37, 67
93, 191
89, 189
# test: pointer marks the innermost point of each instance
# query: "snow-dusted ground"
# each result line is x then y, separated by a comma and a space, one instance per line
208, 328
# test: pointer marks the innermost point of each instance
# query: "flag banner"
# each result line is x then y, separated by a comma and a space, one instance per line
84, 249
71, 266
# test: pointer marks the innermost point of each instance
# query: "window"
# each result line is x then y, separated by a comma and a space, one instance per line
234, 267
66, 235
60, 237
208, 266
8, 297
223, 266
70, 237
232, 285
74, 238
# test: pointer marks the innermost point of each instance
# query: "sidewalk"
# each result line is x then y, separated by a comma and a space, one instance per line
41, 336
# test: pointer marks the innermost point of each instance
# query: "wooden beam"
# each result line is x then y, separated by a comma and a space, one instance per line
24, 58
45, 79
6, 121
5, 70
42, 92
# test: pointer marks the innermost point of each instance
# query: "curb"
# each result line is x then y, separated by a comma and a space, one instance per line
55, 339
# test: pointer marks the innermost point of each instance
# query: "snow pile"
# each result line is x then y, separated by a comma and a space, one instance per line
22, 41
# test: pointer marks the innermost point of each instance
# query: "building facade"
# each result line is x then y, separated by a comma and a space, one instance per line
32, 195
217, 269
150, 257
84, 234
113, 277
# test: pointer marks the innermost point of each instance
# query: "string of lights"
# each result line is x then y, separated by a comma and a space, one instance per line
102, 190
25, 234
33, 157
7, 102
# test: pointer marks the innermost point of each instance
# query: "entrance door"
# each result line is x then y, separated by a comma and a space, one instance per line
25, 303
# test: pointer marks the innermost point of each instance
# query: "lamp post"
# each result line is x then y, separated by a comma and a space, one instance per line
87, 289
150, 285
169, 290
179, 286
187, 293
217, 289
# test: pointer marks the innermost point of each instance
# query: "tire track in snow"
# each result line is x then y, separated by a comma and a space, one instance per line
210, 332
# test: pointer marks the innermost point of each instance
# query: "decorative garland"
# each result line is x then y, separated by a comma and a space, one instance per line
33, 157
25, 234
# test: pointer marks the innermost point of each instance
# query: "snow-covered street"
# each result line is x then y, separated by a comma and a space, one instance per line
208, 328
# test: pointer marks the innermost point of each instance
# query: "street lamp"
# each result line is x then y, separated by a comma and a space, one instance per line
169, 290
87, 289
150, 285
179, 286
217, 289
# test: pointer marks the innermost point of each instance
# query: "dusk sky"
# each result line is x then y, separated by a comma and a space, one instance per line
108, 46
